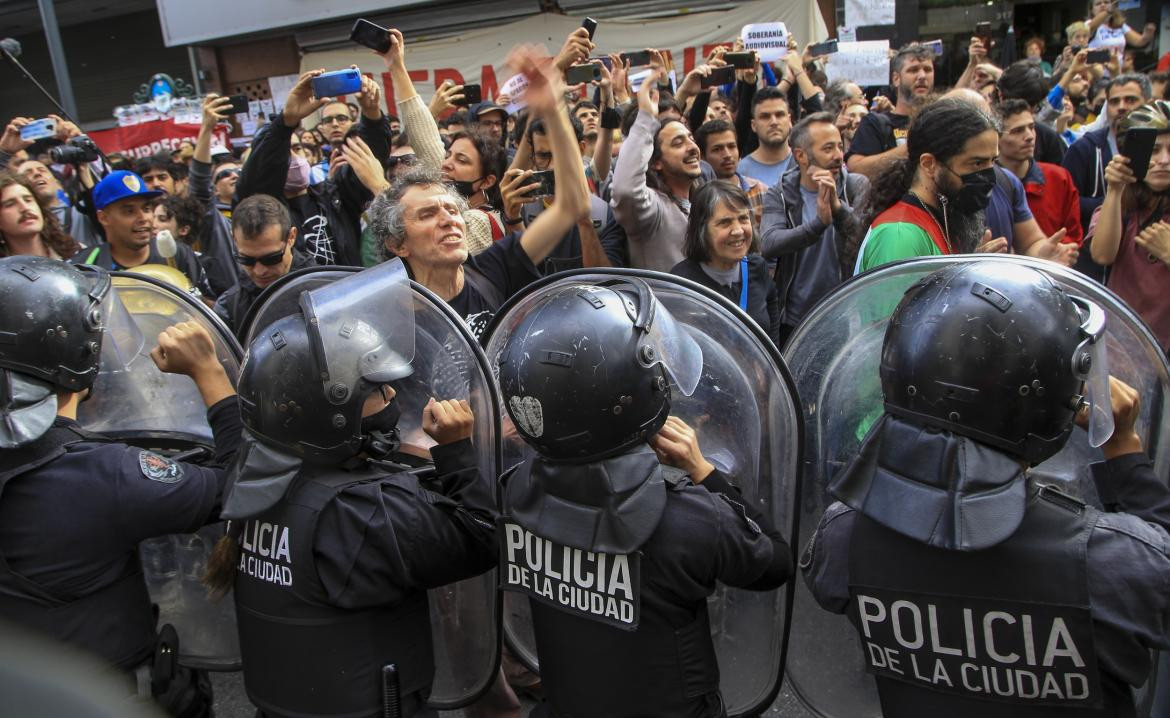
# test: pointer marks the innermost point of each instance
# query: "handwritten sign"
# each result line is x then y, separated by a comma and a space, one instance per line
515, 88
867, 63
768, 39
860, 13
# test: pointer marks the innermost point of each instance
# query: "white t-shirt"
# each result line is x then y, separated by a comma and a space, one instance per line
1111, 38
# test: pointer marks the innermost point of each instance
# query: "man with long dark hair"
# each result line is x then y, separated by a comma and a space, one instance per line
656, 167
933, 202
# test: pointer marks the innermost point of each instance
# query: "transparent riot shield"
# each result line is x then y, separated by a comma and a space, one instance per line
448, 364
835, 354
136, 403
745, 411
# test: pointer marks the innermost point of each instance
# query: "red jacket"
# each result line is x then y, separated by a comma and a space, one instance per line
1054, 200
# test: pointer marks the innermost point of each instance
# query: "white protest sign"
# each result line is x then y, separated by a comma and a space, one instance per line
860, 13
768, 39
266, 107
846, 34
866, 63
279, 87
514, 88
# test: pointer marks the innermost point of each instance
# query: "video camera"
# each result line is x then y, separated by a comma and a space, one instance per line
76, 151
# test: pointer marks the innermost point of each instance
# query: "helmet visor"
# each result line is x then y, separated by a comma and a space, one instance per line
675, 349
122, 340
363, 326
1091, 363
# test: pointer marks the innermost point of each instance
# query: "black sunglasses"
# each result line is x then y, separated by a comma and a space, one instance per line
226, 173
268, 260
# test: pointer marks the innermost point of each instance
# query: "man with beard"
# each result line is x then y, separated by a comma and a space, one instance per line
809, 217
1008, 215
716, 140
652, 179
932, 202
881, 137
125, 209
771, 121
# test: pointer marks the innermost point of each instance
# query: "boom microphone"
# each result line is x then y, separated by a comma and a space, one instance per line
10, 47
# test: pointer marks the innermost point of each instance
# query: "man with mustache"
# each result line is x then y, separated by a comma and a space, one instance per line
881, 137
808, 217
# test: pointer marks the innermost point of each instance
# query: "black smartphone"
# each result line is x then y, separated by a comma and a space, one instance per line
591, 25
640, 58
370, 35
548, 183
828, 47
604, 61
239, 104
576, 74
740, 60
1098, 57
1138, 146
472, 94
982, 29
719, 76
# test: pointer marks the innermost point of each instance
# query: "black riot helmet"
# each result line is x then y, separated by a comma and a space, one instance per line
586, 372
306, 376
998, 353
53, 320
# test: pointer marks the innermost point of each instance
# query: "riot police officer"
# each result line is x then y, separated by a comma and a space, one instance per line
619, 527
337, 537
976, 588
73, 504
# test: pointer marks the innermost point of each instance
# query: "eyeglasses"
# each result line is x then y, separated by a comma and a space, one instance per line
406, 159
226, 173
336, 119
268, 260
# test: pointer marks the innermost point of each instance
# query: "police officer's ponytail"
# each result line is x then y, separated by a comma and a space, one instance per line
225, 557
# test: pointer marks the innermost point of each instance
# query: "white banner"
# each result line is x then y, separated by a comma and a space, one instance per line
478, 55
867, 63
861, 13
768, 39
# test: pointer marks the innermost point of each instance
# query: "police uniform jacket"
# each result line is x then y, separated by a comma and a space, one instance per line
332, 581
73, 507
593, 665
1124, 578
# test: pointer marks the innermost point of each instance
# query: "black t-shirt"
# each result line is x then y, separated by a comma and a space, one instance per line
505, 269
878, 133
184, 260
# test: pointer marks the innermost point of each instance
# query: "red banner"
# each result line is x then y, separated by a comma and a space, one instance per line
148, 138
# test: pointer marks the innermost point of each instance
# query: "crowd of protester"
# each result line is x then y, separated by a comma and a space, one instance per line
771, 191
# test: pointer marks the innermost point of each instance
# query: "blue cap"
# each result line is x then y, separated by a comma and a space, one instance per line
119, 185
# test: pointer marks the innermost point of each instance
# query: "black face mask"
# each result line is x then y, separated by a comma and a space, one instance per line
465, 188
380, 431
975, 194
385, 420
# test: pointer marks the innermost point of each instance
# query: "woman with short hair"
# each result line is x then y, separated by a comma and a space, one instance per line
722, 253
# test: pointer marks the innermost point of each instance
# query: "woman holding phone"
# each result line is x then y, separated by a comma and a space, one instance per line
1133, 223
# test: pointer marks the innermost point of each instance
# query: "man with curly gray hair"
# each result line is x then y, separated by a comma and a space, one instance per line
420, 220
